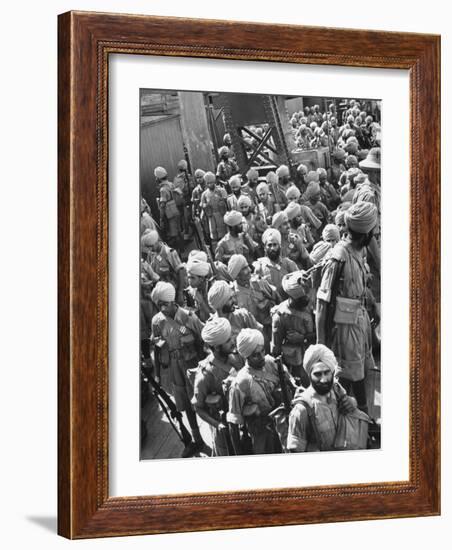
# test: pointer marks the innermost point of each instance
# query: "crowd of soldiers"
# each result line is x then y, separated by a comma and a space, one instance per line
260, 298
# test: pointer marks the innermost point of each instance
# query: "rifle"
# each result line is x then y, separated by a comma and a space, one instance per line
166, 404
286, 401
202, 244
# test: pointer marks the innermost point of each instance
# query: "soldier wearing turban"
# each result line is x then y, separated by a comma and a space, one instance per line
226, 168
253, 293
311, 199
236, 240
176, 335
213, 205
324, 398
183, 188
253, 394
198, 272
213, 374
250, 187
170, 220
283, 184
293, 324
328, 194
164, 262
196, 197
273, 266
344, 325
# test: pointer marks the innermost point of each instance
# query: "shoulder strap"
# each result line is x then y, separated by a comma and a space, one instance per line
312, 422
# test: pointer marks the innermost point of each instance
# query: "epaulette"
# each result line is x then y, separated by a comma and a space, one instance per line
338, 253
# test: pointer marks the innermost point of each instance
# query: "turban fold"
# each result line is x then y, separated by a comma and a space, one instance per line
340, 217
312, 189
247, 341
293, 210
195, 266
321, 171
271, 177
235, 265
149, 238
330, 231
302, 169
163, 292
219, 294
351, 160
209, 177
198, 254
318, 353
262, 187
252, 174
182, 164
270, 234
293, 193
160, 172
216, 332
319, 251
199, 173
243, 200
312, 176
361, 217
339, 154
232, 218
278, 219
235, 179
223, 150
282, 171
293, 284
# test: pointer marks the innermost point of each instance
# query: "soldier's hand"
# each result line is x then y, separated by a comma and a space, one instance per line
222, 426
157, 379
346, 404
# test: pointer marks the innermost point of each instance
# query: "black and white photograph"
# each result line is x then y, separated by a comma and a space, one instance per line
260, 299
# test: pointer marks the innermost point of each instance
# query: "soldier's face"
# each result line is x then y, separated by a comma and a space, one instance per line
195, 281
297, 221
332, 241
257, 359
227, 348
211, 185
168, 308
342, 228
243, 278
322, 178
229, 305
244, 209
199, 180
321, 378
235, 186
284, 227
263, 195
272, 249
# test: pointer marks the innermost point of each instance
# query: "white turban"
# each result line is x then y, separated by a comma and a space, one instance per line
195, 266
282, 171
293, 284
182, 164
252, 174
302, 169
318, 353
319, 251
163, 292
149, 238
312, 189
160, 172
219, 294
271, 177
199, 173
235, 265
330, 231
235, 178
233, 217
293, 193
292, 210
209, 177
312, 176
271, 233
361, 217
247, 341
262, 187
198, 254
278, 219
245, 200
216, 332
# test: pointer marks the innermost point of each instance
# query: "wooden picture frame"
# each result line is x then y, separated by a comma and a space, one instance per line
85, 42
